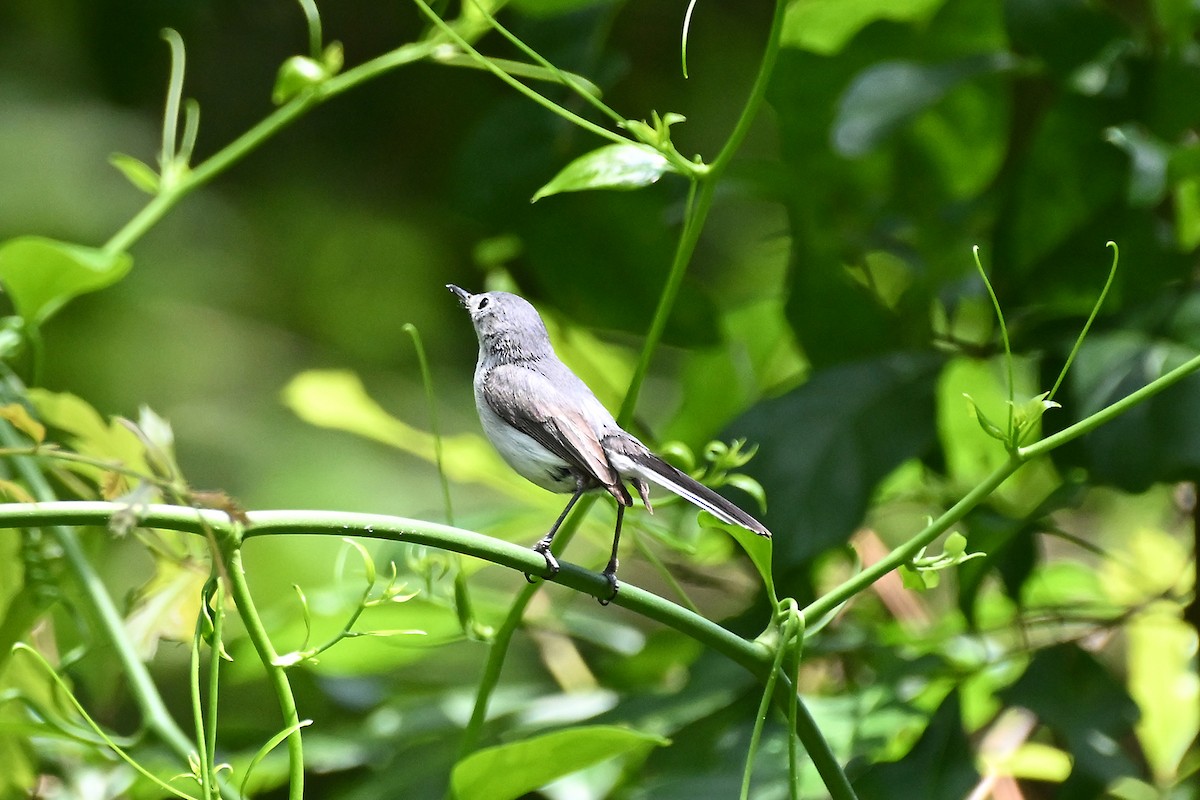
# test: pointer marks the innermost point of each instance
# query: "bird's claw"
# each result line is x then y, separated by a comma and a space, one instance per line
552, 566
611, 577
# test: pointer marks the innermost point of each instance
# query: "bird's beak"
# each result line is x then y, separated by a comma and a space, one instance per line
462, 294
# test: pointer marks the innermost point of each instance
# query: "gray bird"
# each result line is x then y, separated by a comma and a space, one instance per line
546, 423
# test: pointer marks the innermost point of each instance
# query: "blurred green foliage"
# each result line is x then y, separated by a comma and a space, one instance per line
831, 315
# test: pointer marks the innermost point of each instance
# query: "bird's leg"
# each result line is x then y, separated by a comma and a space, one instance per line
543, 545
610, 572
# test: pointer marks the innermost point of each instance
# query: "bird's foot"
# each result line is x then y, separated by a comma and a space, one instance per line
610, 575
552, 566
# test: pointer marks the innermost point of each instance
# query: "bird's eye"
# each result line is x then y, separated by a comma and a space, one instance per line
483, 304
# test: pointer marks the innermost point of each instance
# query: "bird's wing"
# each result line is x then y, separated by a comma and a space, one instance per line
536, 406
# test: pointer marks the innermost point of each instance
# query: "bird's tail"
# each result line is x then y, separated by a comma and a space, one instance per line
635, 461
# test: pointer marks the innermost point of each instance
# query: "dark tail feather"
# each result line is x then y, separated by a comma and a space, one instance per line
643, 464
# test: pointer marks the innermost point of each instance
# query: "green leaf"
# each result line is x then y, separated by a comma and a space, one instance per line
19, 417
88, 432
911, 578
509, 771
757, 547
990, 428
337, 399
885, 96
826, 26
139, 173
940, 764
615, 166
955, 545
823, 447
296, 75
750, 487
42, 274
1148, 160
368, 562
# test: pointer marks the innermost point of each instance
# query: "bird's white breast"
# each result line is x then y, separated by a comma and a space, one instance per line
523, 453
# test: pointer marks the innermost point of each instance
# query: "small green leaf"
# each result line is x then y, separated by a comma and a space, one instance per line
750, 487
20, 418
679, 455
989, 427
955, 546
139, 173
333, 58
509, 771
297, 74
757, 547
1029, 413
615, 166
911, 578
640, 130
40, 274
368, 562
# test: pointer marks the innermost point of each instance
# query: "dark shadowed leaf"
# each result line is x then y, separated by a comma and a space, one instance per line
824, 446
885, 96
1155, 441
940, 766
1088, 710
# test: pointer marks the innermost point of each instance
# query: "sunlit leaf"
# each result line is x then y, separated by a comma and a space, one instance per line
40, 274
165, 607
508, 771
88, 432
825, 26
15, 491
18, 415
757, 547
138, 172
337, 399
615, 166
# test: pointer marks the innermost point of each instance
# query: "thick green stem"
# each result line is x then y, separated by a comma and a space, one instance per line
1108, 412
522, 560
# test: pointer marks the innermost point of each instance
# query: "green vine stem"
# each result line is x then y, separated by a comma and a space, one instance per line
1019, 457
192, 179
204, 775
698, 205
239, 590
